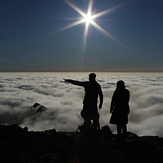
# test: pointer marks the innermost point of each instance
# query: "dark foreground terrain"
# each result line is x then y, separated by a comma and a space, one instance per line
19, 145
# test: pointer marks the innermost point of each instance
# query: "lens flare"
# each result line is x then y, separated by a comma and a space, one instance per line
90, 19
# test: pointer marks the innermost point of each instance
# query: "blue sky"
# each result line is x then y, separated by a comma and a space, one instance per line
31, 40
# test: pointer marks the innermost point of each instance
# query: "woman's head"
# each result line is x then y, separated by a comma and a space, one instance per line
120, 84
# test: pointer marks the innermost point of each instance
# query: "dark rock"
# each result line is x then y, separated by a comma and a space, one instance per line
8, 153
67, 158
22, 146
51, 132
36, 105
106, 132
39, 108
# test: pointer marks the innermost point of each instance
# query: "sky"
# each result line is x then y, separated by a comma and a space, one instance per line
20, 91
38, 35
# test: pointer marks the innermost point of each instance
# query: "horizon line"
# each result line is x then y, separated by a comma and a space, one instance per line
81, 71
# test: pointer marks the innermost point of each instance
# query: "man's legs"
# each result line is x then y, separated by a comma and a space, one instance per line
87, 121
96, 123
88, 115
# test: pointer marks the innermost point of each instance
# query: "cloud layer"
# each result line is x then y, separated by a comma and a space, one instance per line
20, 91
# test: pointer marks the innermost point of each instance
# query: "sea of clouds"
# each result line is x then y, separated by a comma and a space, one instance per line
20, 91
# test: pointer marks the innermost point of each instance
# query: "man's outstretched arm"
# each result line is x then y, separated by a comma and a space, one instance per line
75, 82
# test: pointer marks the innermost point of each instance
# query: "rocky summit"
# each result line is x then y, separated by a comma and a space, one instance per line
22, 146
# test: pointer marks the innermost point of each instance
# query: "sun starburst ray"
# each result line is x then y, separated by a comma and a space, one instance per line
107, 11
85, 37
75, 8
71, 25
90, 5
88, 19
108, 34
105, 32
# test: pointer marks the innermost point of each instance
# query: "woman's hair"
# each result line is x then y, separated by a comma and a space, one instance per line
120, 84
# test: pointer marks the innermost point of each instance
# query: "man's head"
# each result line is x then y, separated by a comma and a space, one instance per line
92, 77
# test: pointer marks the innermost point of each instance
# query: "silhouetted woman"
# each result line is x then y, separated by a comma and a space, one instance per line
120, 108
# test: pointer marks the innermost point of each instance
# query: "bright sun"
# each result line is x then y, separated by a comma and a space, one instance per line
88, 18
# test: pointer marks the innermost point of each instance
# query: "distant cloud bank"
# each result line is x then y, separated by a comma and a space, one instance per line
20, 91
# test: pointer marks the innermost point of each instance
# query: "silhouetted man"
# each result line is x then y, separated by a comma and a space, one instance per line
90, 109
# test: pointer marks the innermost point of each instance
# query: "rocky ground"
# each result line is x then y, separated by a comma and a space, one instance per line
19, 145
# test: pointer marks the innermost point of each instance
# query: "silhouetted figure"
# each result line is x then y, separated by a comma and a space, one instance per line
90, 109
120, 108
